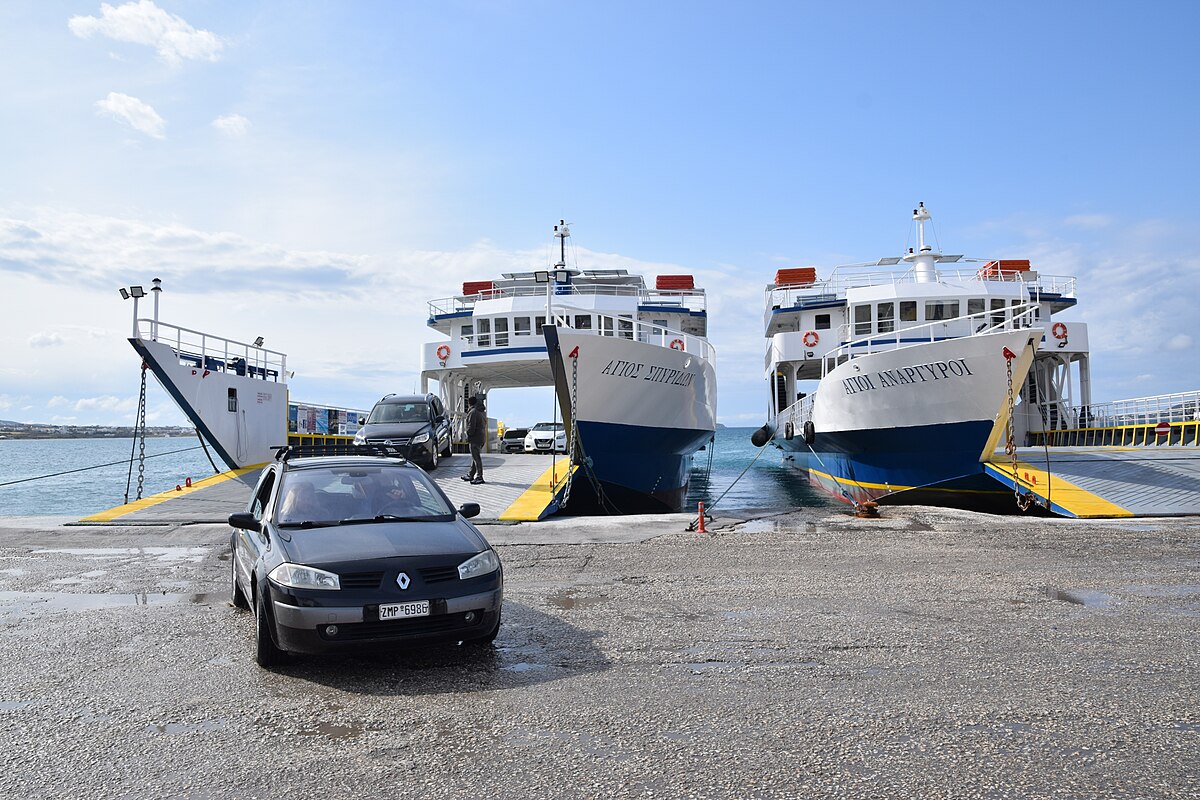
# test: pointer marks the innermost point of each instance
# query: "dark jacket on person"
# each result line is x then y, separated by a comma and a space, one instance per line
476, 426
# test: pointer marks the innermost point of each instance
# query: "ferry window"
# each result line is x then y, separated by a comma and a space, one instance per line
908, 310
501, 330
520, 326
625, 326
538, 322
583, 322
937, 310
885, 314
822, 323
606, 326
468, 333
485, 333
998, 311
862, 320
975, 306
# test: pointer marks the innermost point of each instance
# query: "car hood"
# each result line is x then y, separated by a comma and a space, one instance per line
316, 546
388, 430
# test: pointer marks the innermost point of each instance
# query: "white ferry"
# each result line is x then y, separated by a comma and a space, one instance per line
899, 378
632, 369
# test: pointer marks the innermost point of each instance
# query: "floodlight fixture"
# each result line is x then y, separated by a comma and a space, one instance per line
561, 276
542, 276
258, 342
124, 293
137, 291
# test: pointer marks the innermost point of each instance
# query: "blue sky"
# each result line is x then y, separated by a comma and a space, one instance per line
314, 172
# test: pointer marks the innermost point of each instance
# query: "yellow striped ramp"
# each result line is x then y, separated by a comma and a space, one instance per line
542, 495
1066, 498
170, 494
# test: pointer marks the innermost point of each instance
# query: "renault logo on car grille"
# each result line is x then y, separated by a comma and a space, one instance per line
402, 580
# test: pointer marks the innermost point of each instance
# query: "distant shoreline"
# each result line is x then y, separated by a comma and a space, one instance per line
18, 431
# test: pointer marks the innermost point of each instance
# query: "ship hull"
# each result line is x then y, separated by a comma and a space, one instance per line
641, 411
913, 424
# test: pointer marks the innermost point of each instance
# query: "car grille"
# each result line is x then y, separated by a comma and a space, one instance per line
361, 580
395, 441
438, 574
441, 623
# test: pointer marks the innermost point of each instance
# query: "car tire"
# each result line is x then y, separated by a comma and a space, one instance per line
447, 451
266, 653
490, 636
236, 595
433, 461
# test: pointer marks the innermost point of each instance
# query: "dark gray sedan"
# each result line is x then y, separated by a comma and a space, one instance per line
342, 552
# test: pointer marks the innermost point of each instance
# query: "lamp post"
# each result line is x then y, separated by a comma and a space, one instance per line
157, 289
137, 293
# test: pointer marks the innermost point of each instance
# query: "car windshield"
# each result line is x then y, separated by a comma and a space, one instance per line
548, 426
320, 496
399, 412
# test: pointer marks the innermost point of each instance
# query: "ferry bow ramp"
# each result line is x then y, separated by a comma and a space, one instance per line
1105, 482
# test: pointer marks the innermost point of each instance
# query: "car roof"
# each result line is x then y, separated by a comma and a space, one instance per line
405, 398
309, 462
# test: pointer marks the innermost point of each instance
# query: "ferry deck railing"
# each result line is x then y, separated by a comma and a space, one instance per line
1129, 423
216, 353
979, 323
860, 276
610, 325
686, 299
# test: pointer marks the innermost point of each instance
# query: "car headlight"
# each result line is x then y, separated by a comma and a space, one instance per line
478, 565
420, 438
299, 576
360, 437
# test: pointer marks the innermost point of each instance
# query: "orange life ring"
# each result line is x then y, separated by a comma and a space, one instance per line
677, 344
1059, 330
443, 352
811, 338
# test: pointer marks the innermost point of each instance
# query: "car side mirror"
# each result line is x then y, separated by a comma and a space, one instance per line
439, 419
468, 510
245, 521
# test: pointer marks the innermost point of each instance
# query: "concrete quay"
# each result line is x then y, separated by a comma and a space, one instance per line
806, 654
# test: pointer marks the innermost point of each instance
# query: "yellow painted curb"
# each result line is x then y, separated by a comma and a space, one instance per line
170, 494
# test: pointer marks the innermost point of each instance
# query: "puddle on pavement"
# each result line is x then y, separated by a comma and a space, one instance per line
13, 705
14, 572
567, 599
1089, 598
159, 554
173, 728
524, 666
14, 605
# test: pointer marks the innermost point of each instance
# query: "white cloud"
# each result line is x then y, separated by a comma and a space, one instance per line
1089, 221
104, 403
1179, 342
145, 23
232, 125
58, 401
134, 113
46, 339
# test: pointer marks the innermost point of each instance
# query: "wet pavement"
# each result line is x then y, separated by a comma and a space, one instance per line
929, 653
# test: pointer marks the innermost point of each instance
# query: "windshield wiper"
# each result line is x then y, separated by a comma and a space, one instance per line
308, 523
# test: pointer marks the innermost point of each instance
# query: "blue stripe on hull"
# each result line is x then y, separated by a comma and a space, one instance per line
869, 464
641, 468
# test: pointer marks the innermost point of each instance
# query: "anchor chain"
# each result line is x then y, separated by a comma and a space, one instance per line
1024, 501
139, 438
573, 440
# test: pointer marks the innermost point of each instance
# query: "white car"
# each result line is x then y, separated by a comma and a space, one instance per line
546, 437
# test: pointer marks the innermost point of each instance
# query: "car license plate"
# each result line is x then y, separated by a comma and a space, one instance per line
403, 610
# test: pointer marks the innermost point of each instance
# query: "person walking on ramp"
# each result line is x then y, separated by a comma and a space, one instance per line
476, 433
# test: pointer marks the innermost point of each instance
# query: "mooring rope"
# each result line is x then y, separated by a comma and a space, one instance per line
97, 466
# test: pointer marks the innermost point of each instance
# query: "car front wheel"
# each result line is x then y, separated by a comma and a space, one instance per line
266, 653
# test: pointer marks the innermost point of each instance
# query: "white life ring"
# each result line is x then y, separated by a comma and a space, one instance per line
811, 338
443, 352
677, 344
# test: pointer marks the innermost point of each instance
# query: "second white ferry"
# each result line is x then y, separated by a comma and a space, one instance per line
632, 369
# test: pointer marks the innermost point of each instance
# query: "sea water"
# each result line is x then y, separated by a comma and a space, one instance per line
77, 477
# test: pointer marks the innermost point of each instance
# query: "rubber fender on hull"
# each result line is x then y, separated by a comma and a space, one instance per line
788, 431
810, 432
761, 436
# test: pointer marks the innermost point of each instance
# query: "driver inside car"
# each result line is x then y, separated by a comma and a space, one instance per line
395, 496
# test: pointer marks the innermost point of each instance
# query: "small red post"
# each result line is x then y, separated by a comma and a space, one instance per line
701, 528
